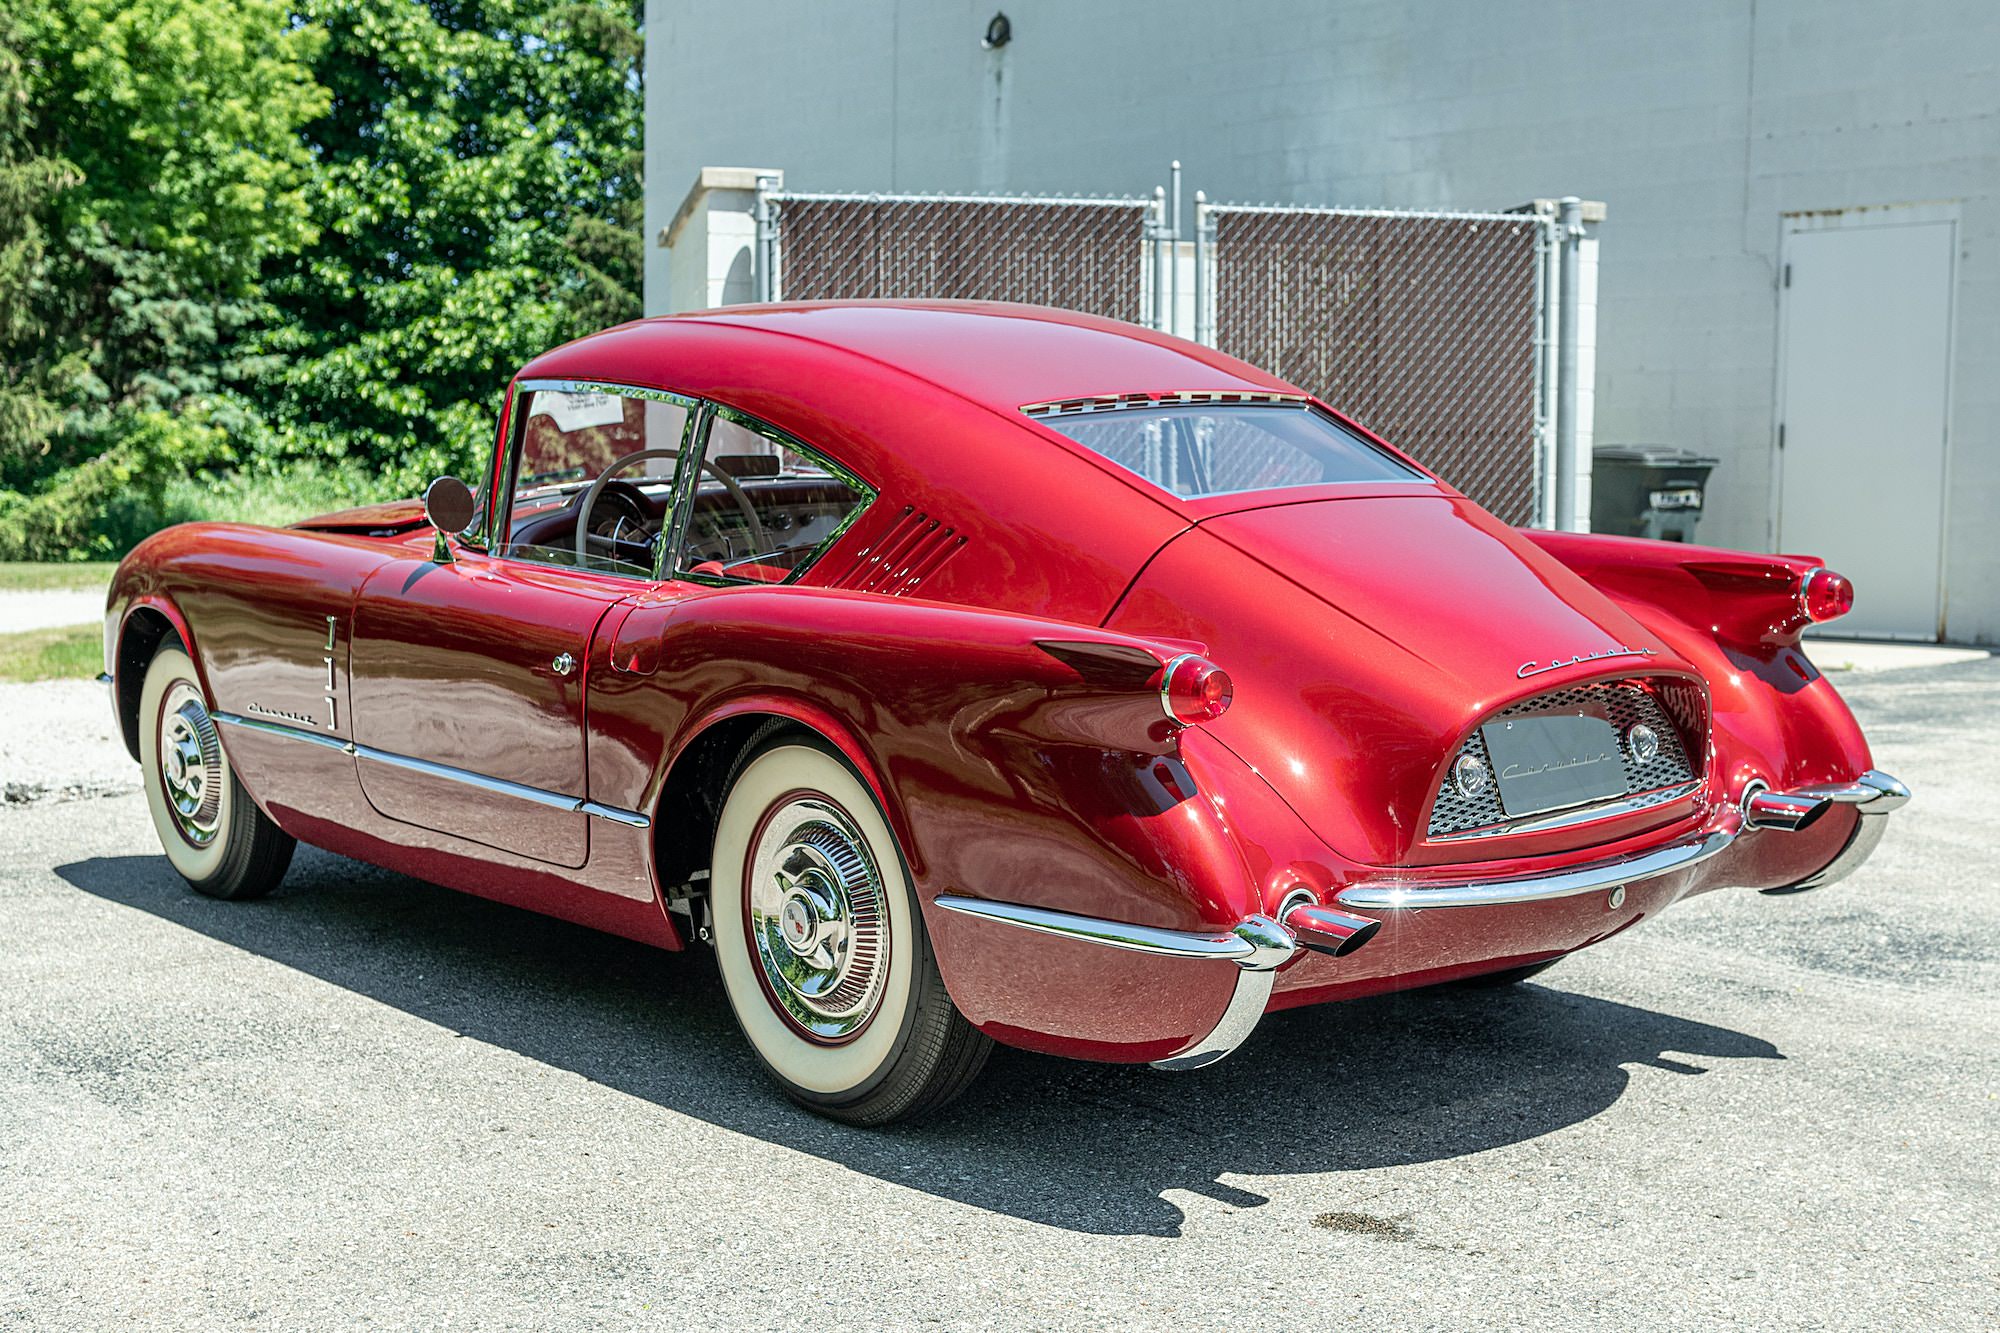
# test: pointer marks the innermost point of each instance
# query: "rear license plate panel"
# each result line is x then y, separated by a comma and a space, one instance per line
1553, 761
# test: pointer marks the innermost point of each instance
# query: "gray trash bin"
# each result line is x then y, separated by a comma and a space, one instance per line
1647, 490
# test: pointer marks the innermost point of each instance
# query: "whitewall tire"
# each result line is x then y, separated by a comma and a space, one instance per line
821, 945
211, 831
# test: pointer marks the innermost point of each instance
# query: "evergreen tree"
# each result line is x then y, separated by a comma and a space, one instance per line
29, 181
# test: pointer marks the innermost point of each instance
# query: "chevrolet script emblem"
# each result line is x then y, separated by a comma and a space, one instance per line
1537, 668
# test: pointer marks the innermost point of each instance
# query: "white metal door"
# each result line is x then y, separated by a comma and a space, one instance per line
1865, 377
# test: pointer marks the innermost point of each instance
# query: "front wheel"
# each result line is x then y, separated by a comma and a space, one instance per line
210, 829
821, 945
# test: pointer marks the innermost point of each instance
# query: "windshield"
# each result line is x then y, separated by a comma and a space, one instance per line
1220, 449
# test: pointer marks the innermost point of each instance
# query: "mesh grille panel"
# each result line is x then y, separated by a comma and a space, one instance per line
1673, 709
1079, 256
1420, 328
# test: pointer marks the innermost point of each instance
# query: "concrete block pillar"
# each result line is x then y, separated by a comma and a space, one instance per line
711, 243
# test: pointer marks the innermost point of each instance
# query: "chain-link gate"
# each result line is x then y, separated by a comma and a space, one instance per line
1077, 254
1425, 327
1432, 329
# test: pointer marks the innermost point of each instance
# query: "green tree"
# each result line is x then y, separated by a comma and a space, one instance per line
182, 176
476, 195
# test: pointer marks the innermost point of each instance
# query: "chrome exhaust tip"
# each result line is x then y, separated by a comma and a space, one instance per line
1793, 812
1325, 930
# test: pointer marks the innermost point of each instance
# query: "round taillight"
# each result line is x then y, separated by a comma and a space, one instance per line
1826, 595
1194, 689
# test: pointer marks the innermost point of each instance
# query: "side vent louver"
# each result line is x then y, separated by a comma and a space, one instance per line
908, 552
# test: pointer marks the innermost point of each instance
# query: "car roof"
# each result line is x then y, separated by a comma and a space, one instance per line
1000, 355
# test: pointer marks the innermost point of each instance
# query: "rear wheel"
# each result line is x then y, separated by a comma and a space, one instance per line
821, 945
211, 830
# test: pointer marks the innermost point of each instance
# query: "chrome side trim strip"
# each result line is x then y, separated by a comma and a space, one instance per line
466, 777
629, 818
1116, 934
279, 729
1389, 895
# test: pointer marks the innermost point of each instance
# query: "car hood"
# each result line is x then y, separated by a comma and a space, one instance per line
1367, 636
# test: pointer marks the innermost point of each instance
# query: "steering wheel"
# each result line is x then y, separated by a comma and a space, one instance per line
729, 483
622, 508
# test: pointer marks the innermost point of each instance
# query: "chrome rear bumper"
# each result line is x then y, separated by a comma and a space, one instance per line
1874, 794
1412, 895
1259, 945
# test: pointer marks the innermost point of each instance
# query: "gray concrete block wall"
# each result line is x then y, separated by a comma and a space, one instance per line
1699, 123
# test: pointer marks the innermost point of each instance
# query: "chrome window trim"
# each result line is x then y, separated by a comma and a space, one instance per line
694, 438
503, 506
1044, 414
1115, 402
464, 776
1413, 894
784, 440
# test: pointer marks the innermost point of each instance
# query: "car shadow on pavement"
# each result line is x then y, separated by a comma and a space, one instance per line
1382, 1082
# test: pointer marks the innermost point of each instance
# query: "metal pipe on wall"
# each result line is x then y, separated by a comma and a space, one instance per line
764, 254
1570, 227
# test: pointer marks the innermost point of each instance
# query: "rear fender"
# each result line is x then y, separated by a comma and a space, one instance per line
1017, 758
1738, 617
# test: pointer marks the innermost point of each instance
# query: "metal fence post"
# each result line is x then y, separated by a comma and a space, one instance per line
1547, 250
1201, 294
764, 259
1569, 219
1162, 256
1172, 322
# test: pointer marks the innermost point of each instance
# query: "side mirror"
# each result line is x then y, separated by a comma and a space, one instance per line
449, 506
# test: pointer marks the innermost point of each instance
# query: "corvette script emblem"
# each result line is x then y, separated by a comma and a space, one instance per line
1537, 668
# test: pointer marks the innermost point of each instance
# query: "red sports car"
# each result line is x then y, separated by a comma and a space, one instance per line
969, 673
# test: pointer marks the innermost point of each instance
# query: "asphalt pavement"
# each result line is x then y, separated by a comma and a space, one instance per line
371, 1103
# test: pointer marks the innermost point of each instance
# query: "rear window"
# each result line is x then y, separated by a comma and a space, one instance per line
1219, 449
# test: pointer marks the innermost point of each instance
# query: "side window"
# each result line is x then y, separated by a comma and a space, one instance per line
570, 439
764, 507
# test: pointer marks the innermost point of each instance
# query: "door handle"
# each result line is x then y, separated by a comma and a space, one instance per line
563, 665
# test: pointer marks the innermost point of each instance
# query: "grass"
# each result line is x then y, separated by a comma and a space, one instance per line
65, 576
70, 653
274, 498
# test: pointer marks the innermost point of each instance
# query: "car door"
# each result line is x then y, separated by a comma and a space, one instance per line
467, 688
467, 680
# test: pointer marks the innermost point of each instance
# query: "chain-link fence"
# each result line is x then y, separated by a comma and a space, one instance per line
1432, 329
1078, 254
1426, 328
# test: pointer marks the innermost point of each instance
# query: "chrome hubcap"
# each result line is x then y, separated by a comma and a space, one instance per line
191, 769
817, 924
